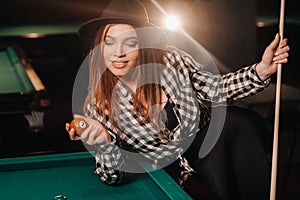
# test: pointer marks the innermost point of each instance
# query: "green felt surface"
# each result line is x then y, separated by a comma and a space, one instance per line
13, 78
39, 29
71, 175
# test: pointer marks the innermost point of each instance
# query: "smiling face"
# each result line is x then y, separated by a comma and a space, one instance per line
120, 48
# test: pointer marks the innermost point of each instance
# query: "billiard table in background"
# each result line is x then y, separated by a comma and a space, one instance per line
21, 89
54, 53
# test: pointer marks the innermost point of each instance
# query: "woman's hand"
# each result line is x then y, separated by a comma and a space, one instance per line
94, 134
276, 53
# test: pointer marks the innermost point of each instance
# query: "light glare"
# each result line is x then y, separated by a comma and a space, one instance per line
172, 22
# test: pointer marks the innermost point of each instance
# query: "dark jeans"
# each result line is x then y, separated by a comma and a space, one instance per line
237, 167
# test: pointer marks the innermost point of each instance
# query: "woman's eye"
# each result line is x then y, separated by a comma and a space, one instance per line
132, 44
108, 42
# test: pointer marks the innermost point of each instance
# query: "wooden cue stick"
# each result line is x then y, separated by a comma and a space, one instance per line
277, 110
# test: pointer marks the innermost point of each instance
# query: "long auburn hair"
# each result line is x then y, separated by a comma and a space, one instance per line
102, 81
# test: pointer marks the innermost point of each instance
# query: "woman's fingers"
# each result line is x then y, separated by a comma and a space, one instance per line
281, 55
71, 132
101, 138
67, 127
84, 136
275, 42
92, 135
280, 60
282, 49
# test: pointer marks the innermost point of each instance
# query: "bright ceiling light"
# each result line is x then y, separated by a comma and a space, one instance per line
172, 22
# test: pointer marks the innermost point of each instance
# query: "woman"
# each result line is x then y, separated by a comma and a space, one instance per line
157, 102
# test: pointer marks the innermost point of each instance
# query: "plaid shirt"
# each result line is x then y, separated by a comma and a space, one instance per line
187, 86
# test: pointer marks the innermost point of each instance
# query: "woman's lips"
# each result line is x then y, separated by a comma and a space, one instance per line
119, 63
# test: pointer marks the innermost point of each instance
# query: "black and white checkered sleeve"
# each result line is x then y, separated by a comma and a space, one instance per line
110, 163
221, 88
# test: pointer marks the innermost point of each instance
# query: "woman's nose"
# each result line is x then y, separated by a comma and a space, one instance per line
119, 52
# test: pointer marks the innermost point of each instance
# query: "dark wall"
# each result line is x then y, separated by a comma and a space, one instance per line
226, 28
47, 11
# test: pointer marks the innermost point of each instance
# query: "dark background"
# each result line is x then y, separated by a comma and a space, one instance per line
234, 32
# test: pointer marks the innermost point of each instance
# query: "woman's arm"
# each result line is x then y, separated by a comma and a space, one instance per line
229, 87
110, 163
239, 84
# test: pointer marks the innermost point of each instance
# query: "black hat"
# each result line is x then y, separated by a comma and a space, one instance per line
119, 11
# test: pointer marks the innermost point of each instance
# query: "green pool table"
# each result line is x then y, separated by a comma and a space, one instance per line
19, 82
71, 175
